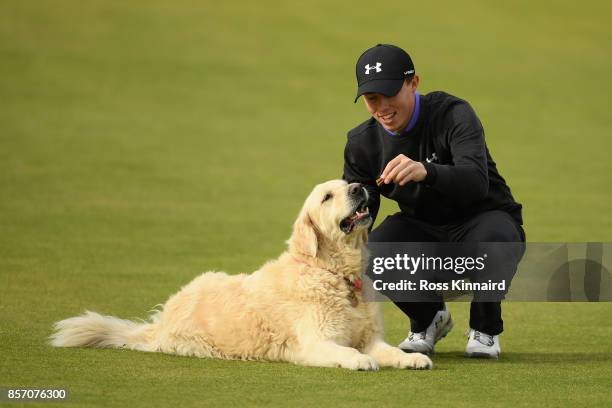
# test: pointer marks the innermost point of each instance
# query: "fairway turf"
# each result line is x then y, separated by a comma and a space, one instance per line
142, 143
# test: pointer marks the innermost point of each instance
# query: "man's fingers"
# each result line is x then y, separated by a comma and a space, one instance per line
400, 171
406, 175
389, 167
406, 179
397, 160
414, 172
392, 175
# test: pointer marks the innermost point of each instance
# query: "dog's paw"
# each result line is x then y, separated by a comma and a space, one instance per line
360, 362
415, 361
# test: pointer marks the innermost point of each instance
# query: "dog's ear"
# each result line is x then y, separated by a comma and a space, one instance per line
304, 238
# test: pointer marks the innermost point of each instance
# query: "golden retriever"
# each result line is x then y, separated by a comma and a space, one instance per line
305, 307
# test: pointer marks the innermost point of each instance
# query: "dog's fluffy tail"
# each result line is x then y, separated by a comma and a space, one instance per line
94, 330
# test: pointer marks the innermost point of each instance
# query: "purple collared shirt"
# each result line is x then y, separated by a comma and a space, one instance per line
413, 119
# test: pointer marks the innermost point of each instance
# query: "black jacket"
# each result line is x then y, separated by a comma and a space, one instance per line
462, 178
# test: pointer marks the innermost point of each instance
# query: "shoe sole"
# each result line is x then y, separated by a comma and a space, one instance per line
482, 355
445, 330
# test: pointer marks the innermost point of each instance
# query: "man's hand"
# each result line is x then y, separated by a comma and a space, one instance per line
402, 170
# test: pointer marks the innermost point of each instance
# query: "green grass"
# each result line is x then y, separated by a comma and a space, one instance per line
142, 143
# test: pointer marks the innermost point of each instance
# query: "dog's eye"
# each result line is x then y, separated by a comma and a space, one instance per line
327, 197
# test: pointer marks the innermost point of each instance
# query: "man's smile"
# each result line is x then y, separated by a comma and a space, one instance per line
387, 117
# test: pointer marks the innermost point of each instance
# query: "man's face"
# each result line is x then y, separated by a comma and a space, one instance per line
393, 112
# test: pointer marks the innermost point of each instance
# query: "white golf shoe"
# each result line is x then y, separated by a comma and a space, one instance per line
482, 345
424, 342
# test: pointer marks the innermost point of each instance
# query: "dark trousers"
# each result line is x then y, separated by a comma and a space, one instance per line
490, 226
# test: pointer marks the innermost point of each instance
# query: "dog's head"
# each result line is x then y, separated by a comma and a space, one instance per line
334, 212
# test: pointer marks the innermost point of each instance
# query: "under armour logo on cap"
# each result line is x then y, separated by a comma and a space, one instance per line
377, 67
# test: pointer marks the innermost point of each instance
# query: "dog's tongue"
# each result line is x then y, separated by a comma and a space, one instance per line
358, 284
359, 215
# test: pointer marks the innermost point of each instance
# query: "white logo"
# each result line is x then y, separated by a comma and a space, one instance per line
377, 68
433, 158
409, 72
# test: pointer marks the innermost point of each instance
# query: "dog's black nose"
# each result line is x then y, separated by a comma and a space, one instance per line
355, 188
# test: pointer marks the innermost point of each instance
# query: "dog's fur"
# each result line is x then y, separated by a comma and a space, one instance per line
304, 307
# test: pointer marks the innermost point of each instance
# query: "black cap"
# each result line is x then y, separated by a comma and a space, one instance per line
382, 69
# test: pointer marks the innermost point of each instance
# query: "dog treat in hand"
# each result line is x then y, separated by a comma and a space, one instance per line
380, 181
